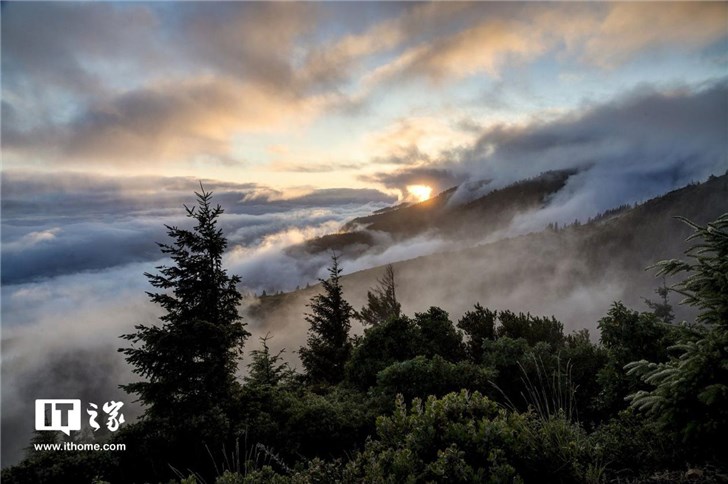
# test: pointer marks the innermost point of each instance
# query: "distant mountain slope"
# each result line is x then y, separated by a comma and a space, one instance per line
489, 212
573, 273
474, 219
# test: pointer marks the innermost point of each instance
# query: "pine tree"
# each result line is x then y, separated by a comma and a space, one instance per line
189, 361
382, 304
265, 367
689, 393
662, 309
479, 326
329, 345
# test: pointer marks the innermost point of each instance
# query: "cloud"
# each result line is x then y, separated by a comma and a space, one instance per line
60, 339
33, 238
199, 76
126, 85
193, 119
109, 85
75, 250
627, 150
73, 43
439, 179
60, 223
631, 148
252, 41
331, 196
315, 168
479, 49
416, 140
630, 28
596, 35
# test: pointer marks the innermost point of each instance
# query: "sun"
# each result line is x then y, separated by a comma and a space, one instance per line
420, 192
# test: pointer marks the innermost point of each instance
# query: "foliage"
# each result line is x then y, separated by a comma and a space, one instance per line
189, 362
382, 345
628, 336
689, 393
501, 397
47, 467
422, 376
479, 326
466, 437
436, 438
382, 304
438, 335
514, 362
533, 329
631, 446
584, 359
293, 421
706, 286
662, 308
329, 345
266, 368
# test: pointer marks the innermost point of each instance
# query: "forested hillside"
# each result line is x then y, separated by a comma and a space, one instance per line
459, 212
497, 393
574, 272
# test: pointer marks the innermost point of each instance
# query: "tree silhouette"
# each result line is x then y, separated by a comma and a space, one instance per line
479, 326
689, 393
382, 304
267, 368
189, 360
329, 345
662, 308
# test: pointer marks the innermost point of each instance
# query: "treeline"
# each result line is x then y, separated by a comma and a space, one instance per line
497, 396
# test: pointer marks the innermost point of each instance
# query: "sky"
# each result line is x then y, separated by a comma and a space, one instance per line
304, 96
302, 116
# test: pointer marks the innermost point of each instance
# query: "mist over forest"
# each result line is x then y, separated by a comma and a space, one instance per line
573, 273
456, 241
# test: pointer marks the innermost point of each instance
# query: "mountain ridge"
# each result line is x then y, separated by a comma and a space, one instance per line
574, 273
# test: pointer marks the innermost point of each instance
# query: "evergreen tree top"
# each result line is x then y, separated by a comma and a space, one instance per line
189, 361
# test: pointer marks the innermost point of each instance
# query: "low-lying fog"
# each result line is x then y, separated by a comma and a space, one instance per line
74, 249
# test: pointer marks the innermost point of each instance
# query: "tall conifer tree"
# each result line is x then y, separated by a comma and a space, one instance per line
382, 304
329, 345
188, 362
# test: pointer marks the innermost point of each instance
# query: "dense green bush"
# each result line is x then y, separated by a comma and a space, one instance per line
382, 345
467, 437
422, 376
628, 336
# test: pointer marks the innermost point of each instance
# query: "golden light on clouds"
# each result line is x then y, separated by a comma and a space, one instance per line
420, 192
280, 94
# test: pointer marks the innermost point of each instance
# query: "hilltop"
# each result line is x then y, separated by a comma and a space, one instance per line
574, 273
457, 212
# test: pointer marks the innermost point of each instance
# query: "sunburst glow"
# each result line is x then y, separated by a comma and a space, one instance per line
420, 192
